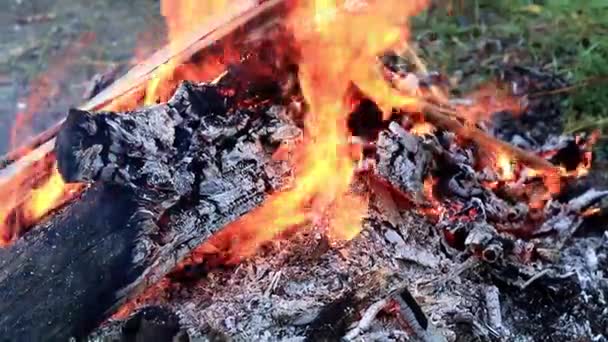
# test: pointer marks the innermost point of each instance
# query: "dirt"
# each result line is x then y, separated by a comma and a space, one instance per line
70, 42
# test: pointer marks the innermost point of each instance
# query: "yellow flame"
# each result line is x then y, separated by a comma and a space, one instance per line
339, 47
422, 128
505, 167
46, 195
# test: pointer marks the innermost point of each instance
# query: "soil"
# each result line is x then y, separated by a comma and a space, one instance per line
70, 42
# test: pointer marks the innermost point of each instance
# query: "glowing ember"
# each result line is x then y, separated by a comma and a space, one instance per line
505, 167
436, 208
591, 212
422, 128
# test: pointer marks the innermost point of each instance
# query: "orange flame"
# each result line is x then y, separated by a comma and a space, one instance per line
335, 53
182, 17
505, 167
489, 99
29, 196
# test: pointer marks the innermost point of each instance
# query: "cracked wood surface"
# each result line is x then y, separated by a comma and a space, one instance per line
166, 178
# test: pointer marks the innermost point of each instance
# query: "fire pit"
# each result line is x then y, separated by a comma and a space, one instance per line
322, 187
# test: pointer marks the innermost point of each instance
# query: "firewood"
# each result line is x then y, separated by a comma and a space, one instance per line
167, 178
236, 27
242, 29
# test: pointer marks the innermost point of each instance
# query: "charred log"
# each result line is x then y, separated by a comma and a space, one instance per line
167, 178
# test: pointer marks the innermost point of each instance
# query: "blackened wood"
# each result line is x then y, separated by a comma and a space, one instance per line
238, 24
63, 278
205, 165
403, 162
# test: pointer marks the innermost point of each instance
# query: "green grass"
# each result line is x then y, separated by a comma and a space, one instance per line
568, 37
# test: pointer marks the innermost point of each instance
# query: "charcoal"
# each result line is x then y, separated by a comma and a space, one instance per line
542, 118
403, 161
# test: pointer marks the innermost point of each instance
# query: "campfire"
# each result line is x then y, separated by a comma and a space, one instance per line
290, 170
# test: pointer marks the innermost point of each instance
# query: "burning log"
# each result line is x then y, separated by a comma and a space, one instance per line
168, 177
244, 22
241, 28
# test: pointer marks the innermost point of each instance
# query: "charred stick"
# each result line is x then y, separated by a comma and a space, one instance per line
446, 117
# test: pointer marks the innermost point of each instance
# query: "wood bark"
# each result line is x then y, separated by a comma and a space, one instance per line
166, 178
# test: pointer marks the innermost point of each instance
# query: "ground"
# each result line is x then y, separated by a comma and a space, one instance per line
468, 40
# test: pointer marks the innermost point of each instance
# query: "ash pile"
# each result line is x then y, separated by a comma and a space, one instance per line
458, 244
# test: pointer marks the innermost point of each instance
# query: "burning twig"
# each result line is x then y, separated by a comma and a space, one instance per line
445, 116
438, 116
